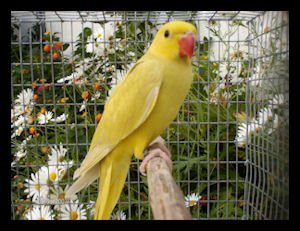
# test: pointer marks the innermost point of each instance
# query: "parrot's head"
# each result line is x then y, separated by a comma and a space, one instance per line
174, 40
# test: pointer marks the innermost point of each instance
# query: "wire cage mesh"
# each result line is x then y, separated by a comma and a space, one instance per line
229, 142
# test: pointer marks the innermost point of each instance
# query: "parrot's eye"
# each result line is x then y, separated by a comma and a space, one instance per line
167, 34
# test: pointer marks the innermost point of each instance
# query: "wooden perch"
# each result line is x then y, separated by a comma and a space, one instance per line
166, 198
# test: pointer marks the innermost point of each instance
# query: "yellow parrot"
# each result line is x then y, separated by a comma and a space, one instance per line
139, 109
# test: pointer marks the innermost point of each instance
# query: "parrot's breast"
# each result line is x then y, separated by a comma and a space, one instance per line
177, 79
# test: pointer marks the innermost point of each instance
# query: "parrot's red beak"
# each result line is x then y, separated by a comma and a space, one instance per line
187, 44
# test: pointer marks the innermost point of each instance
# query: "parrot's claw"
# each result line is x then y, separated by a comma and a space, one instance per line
156, 152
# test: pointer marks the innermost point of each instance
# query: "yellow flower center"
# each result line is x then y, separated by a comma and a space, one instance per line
73, 215
270, 117
62, 172
37, 187
204, 57
258, 129
61, 159
43, 110
32, 131
61, 196
45, 149
52, 176
28, 109
41, 218
192, 203
85, 95
63, 100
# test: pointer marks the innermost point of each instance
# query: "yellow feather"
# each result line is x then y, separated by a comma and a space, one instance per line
142, 105
113, 172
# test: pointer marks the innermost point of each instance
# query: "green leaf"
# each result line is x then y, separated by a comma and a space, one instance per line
65, 46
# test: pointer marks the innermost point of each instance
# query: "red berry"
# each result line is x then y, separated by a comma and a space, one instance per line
36, 98
58, 46
47, 48
55, 56
98, 117
42, 87
97, 86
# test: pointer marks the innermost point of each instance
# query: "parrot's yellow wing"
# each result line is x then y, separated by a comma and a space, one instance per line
130, 102
128, 107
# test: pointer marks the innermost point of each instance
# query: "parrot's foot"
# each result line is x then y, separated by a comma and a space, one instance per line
156, 149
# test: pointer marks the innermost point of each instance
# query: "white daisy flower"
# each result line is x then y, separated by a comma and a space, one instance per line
274, 124
111, 50
91, 207
96, 43
245, 130
265, 115
29, 119
90, 47
130, 53
17, 132
254, 127
16, 111
24, 142
78, 73
255, 80
277, 100
238, 53
227, 95
20, 121
240, 90
45, 118
57, 196
230, 72
57, 154
37, 187
119, 215
83, 105
57, 157
80, 82
72, 125
74, 76
21, 149
20, 154
60, 118
235, 79
63, 167
53, 173
73, 211
192, 199
96, 96
42, 212
241, 136
25, 97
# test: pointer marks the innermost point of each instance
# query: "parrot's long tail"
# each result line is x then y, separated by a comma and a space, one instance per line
113, 172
